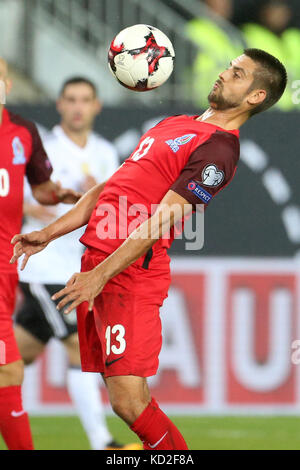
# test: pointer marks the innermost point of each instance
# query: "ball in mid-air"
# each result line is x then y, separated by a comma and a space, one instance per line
141, 57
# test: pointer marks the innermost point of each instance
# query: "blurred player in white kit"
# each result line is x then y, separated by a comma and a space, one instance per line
80, 159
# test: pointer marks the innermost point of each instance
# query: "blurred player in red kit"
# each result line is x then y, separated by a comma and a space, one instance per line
179, 165
21, 153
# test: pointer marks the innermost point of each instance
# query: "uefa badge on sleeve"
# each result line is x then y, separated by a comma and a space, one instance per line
200, 192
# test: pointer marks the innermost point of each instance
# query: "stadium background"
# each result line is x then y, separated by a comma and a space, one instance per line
233, 310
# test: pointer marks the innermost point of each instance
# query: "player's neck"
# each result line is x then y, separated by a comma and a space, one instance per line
228, 119
79, 138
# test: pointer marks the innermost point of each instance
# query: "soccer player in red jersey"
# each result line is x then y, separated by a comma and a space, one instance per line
179, 165
21, 153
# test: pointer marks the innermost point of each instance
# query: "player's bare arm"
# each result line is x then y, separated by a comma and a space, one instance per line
34, 242
43, 213
87, 285
50, 193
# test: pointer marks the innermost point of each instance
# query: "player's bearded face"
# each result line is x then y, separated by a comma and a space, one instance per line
218, 99
233, 85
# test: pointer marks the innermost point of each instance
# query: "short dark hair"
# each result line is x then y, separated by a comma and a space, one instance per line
270, 75
76, 81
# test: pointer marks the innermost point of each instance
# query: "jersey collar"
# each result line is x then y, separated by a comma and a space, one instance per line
235, 132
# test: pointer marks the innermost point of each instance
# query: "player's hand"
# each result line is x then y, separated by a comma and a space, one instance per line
28, 244
88, 183
66, 195
81, 287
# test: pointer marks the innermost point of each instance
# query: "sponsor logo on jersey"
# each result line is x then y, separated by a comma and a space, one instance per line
109, 363
212, 176
18, 151
199, 192
176, 143
17, 414
156, 443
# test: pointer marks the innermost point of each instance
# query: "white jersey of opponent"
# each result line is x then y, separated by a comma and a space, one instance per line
71, 164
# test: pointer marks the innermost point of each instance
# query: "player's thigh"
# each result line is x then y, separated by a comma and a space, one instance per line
9, 352
29, 346
129, 395
128, 346
38, 314
63, 326
129, 329
12, 374
122, 335
33, 316
71, 344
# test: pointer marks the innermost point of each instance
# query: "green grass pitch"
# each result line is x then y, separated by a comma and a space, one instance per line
217, 433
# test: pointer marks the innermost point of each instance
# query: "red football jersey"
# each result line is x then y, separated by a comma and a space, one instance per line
21, 153
193, 158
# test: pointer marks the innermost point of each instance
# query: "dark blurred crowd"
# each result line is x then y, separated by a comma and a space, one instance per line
245, 11
272, 25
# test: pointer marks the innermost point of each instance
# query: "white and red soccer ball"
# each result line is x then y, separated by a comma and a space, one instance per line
141, 57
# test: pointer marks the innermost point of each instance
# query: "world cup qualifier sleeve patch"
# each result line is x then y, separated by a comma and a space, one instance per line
212, 176
199, 192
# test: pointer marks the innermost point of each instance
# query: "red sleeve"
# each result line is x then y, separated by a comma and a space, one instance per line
209, 168
38, 169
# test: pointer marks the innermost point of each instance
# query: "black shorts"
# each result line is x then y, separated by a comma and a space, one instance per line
38, 315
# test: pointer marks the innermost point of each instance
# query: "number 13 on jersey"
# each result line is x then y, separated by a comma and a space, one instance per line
120, 338
144, 148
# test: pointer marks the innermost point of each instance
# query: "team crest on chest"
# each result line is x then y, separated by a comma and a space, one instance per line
176, 143
18, 151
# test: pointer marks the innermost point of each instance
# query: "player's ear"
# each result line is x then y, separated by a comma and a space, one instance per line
8, 85
256, 97
98, 106
58, 105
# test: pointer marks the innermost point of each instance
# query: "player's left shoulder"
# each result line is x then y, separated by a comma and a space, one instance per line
20, 121
226, 144
23, 130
